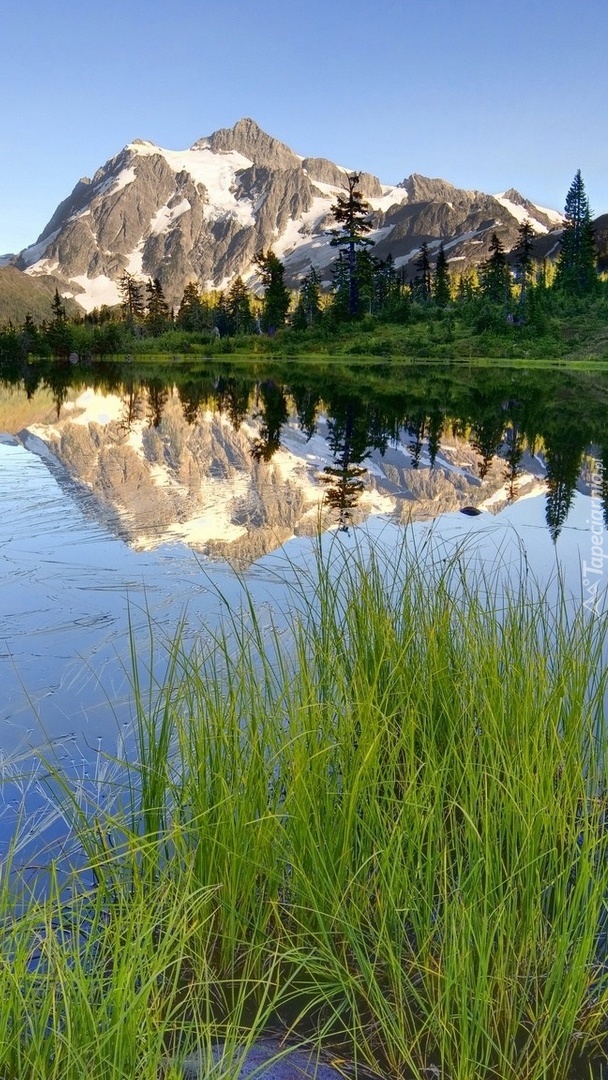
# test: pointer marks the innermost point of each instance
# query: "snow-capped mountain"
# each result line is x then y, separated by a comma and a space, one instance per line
202, 214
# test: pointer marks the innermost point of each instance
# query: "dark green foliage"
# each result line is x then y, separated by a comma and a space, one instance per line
57, 333
441, 283
422, 285
239, 315
353, 215
131, 294
524, 266
191, 314
495, 275
576, 268
158, 315
308, 310
341, 287
276, 293
386, 285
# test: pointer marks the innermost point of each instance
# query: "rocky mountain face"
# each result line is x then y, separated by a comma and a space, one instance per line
202, 214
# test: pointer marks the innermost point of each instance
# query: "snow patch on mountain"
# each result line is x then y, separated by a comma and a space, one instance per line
391, 196
165, 217
135, 260
520, 213
33, 254
217, 172
308, 224
97, 291
116, 183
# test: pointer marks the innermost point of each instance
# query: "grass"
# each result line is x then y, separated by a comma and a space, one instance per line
379, 827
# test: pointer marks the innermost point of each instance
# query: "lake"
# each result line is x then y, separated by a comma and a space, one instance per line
148, 502
138, 498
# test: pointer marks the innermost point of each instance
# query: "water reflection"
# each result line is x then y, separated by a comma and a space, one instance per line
294, 441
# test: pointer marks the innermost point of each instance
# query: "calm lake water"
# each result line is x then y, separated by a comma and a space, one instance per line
130, 500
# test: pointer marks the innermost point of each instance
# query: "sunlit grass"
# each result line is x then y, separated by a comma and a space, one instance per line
382, 828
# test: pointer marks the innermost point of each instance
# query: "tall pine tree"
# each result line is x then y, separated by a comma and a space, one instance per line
523, 262
441, 283
276, 294
353, 215
495, 274
576, 267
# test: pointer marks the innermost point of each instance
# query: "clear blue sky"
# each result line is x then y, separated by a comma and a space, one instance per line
484, 93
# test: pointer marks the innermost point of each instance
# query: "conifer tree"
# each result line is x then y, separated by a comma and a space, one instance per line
238, 308
132, 299
158, 310
576, 268
495, 274
340, 272
523, 259
387, 287
58, 332
441, 283
309, 303
423, 282
276, 295
353, 215
191, 314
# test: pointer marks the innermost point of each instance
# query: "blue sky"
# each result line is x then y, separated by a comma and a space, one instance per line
483, 93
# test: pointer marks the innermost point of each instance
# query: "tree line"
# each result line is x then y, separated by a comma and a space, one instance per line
507, 288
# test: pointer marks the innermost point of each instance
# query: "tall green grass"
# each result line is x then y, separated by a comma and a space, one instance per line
381, 826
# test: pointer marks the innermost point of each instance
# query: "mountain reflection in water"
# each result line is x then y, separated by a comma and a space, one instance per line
235, 459
144, 491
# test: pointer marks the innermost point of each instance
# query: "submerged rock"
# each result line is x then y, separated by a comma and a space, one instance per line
263, 1059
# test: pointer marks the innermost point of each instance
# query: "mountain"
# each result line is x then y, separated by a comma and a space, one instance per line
203, 213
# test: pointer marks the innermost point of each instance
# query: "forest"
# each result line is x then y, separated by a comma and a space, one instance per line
511, 305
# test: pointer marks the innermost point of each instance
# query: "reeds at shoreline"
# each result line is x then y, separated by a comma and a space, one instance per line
382, 829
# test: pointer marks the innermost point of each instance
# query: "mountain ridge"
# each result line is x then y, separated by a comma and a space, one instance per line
203, 213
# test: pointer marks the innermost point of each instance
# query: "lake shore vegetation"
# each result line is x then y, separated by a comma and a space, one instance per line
510, 305
374, 822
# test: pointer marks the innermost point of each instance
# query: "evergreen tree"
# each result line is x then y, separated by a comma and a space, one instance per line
366, 280
495, 274
191, 314
386, 285
423, 281
441, 283
158, 310
353, 215
58, 332
576, 267
308, 310
131, 298
340, 272
468, 284
523, 259
276, 295
238, 308
29, 335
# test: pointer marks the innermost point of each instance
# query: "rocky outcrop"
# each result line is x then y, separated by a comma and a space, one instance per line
203, 214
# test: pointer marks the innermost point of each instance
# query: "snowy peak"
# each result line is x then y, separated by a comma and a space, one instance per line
542, 221
248, 139
202, 214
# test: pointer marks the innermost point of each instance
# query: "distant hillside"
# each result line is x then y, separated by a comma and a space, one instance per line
21, 293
